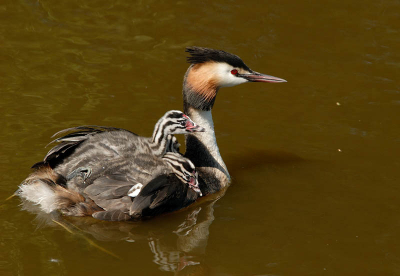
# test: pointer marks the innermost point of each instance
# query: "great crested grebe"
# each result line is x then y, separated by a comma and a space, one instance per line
107, 157
209, 71
98, 160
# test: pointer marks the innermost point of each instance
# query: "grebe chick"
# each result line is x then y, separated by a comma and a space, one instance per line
168, 193
165, 193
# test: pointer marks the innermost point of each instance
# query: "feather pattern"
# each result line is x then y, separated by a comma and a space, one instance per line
74, 137
92, 169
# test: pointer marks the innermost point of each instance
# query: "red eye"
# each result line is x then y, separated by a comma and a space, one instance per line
234, 72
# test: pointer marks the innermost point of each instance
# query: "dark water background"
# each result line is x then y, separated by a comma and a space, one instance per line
315, 161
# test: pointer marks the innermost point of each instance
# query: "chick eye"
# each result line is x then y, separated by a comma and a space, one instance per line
187, 177
234, 72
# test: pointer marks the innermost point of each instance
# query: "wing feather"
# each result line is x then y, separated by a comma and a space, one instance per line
73, 137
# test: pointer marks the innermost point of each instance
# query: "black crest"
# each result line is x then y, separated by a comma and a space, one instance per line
201, 55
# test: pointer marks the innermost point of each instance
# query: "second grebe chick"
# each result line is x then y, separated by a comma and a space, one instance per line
168, 193
163, 194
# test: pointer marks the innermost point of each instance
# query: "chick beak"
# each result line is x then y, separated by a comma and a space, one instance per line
193, 127
193, 184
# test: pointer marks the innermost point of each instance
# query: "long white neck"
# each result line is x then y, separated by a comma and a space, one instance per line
203, 151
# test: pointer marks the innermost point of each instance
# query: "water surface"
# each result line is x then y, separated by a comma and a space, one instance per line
314, 161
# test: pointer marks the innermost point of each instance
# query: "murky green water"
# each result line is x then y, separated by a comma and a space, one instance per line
315, 161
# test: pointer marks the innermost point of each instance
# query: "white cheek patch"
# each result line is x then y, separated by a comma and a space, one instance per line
225, 77
233, 80
135, 190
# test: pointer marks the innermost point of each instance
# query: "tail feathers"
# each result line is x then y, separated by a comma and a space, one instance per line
40, 193
47, 189
45, 173
54, 197
39, 188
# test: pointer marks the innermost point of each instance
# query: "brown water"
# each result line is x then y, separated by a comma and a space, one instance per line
315, 161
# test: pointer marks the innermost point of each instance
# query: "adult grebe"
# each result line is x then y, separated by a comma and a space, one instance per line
209, 71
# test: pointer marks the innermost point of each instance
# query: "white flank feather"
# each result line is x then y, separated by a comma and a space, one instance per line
135, 190
40, 194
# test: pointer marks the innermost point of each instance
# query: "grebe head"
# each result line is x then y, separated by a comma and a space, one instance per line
212, 69
184, 169
176, 122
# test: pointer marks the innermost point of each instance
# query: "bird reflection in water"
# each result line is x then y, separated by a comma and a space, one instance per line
177, 241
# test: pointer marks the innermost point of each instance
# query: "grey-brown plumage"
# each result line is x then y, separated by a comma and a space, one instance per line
98, 165
165, 193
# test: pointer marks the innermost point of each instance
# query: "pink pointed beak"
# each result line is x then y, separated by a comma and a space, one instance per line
258, 77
